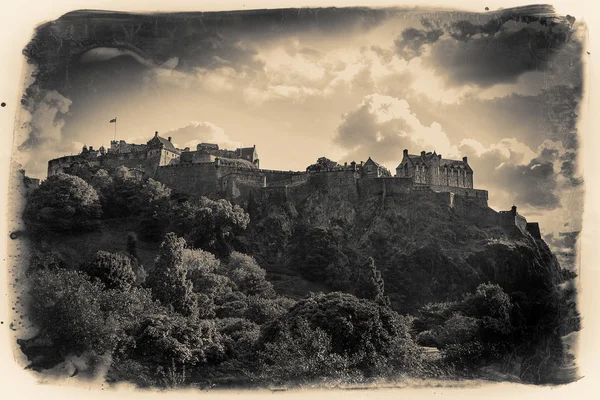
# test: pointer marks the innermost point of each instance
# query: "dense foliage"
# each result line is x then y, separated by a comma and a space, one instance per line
201, 291
62, 203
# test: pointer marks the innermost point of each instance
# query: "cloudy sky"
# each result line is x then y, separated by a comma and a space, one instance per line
347, 84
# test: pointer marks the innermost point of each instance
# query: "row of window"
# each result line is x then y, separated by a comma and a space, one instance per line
437, 171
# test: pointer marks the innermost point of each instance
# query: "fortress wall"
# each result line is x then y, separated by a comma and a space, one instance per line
297, 193
284, 177
369, 187
237, 185
340, 183
396, 186
193, 179
475, 195
534, 230
275, 194
482, 216
521, 223
392, 186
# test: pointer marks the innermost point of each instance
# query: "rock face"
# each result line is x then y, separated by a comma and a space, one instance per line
427, 251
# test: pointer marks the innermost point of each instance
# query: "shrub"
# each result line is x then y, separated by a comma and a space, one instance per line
62, 203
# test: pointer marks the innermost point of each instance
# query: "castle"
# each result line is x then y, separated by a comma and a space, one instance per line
236, 175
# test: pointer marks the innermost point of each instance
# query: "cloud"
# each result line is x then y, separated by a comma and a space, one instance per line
497, 51
382, 126
411, 42
197, 132
516, 173
41, 124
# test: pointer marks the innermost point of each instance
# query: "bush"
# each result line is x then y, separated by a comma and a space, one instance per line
210, 225
249, 278
371, 335
114, 270
62, 203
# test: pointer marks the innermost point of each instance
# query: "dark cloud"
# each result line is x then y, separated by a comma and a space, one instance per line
487, 60
496, 51
197, 40
364, 136
411, 42
533, 184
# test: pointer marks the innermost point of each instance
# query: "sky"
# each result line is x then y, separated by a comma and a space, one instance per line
346, 84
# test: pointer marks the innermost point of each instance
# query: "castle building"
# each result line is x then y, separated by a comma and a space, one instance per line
431, 169
236, 175
209, 152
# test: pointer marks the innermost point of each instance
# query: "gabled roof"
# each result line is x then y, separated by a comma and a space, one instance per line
455, 164
381, 167
168, 145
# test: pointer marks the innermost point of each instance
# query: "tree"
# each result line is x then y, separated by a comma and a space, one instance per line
155, 208
169, 281
132, 244
370, 283
322, 164
114, 270
317, 256
249, 278
62, 203
210, 225
122, 196
68, 308
370, 334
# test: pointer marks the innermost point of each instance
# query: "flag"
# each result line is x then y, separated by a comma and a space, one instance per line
113, 120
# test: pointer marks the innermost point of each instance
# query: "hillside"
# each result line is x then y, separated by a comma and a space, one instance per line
486, 298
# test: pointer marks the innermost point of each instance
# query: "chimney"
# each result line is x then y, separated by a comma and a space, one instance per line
155, 133
405, 152
91, 148
422, 153
361, 163
346, 164
465, 159
169, 138
513, 210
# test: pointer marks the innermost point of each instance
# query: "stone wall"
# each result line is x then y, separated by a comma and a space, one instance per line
480, 215
191, 179
534, 230
284, 177
475, 195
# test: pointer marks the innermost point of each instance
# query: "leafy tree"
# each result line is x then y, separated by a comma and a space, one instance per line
303, 353
249, 278
210, 225
197, 261
169, 281
370, 283
322, 164
114, 270
62, 203
317, 256
261, 310
45, 258
161, 340
132, 244
68, 308
155, 208
122, 197
372, 335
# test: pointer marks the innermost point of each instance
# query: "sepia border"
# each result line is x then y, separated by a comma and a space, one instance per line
21, 17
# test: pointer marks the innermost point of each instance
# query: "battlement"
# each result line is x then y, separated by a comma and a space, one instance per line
235, 175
